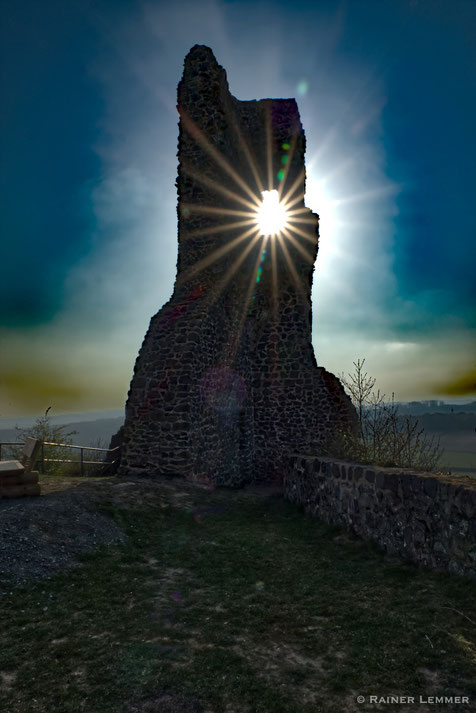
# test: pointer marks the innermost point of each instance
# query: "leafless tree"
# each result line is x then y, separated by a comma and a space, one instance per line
384, 436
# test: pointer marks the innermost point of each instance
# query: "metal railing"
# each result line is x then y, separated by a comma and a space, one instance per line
81, 462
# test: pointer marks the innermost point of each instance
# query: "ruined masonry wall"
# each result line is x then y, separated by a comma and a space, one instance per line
427, 518
226, 383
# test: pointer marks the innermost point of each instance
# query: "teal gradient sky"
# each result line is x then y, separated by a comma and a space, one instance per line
387, 96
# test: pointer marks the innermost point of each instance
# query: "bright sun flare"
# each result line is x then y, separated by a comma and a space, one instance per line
271, 217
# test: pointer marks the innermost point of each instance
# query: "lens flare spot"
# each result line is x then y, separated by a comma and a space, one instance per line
271, 217
223, 390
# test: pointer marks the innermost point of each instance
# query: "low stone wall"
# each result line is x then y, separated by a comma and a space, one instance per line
430, 519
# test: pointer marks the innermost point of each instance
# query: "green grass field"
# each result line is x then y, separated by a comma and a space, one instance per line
230, 602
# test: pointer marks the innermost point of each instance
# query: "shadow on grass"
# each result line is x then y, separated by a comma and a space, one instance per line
232, 601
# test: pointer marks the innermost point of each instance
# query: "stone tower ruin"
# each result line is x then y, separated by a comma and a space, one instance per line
226, 383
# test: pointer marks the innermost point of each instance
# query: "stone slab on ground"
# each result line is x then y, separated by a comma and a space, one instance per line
10, 467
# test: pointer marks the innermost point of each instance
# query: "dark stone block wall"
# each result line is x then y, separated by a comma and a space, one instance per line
226, 384
429, 519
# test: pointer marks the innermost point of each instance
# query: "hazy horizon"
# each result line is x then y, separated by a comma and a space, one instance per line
26, 420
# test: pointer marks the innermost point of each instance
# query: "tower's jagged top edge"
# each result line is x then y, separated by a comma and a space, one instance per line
203, 53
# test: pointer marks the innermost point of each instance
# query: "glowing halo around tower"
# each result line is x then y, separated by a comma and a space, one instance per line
271, 216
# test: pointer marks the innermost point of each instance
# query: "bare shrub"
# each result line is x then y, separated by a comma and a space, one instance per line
46, 432
384, 437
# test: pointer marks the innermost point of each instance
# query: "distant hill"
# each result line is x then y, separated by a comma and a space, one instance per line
456, 431
447, 422
61, 418
89, 432
417, 408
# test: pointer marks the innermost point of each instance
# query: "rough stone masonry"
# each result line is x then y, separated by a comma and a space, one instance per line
226, 384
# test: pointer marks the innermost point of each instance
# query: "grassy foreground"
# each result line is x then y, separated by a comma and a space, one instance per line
233, 602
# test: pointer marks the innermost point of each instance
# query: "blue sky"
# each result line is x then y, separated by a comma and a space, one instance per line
387, 96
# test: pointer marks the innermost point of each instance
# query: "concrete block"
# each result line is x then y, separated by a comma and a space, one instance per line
10, 468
